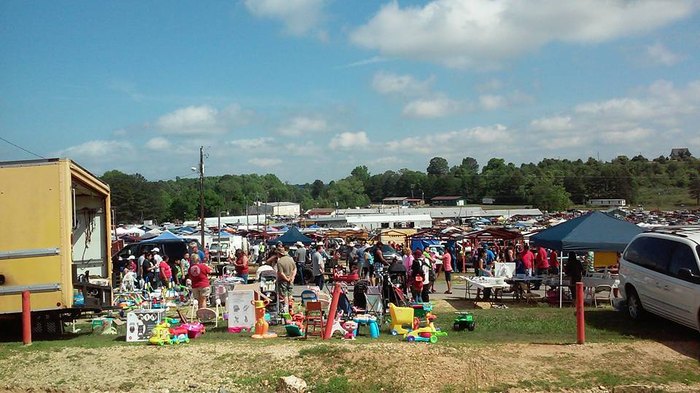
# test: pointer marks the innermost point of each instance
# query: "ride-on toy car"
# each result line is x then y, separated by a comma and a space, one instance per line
464, 320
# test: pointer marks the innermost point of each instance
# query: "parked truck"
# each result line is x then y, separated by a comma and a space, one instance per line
55, 241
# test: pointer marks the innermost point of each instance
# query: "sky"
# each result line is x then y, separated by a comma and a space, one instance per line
310, 89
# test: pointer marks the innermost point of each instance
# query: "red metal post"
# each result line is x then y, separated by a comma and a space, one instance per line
580, 324
331, 312
26, 319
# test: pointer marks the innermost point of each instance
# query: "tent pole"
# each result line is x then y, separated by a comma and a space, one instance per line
561, 279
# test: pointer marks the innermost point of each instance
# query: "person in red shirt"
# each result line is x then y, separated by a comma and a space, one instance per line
553, 262
447, 266
528, 259
241, 264
199, 275
541, 261
166, 274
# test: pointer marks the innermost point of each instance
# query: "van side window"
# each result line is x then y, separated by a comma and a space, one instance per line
683, 258
651, 253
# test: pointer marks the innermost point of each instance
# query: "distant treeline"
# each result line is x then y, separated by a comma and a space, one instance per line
551, 184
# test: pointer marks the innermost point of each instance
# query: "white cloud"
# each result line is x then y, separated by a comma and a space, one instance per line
307, 149
158, 144
246, 145
491, 102
552, 124
202, 120
119, 133
659, 54
265, 162
454, 141
349, 140
364, 62
303, 125
98, 149
298, 16
626, 136
484, 33
432, 107
390, 83
490, 85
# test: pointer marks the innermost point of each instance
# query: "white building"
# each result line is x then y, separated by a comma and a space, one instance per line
376, 221
607, 202
286, 209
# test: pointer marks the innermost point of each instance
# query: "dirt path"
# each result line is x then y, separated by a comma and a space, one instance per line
348, 366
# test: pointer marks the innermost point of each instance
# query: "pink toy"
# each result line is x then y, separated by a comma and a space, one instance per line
350, 328
178, 330
194, 329
238, 329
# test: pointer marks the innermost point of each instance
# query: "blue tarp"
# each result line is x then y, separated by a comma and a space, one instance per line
165, 236
422, 243
594, 231
292, 236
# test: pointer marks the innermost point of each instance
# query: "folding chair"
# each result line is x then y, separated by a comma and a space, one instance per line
313, 319
602, 288
375, 305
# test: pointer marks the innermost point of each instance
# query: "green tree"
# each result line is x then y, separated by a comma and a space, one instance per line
438, 166
694, 188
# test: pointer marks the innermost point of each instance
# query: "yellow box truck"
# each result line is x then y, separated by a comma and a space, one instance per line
55, 241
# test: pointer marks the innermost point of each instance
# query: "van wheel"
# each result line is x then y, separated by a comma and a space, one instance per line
634, 305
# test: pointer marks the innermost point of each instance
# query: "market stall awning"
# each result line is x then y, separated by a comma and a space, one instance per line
594, 231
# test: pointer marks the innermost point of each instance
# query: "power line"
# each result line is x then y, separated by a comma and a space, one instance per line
21, 148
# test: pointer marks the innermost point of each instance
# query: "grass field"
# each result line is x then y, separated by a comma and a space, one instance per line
516, 349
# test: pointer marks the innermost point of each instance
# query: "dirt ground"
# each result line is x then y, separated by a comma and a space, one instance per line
344, 366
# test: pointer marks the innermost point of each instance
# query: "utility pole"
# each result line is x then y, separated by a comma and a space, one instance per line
201, 193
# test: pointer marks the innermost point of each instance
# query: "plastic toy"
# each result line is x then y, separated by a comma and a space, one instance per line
261, 325
180, 338
350, 328
194, 329
178, 330
370, 321
426, 334
400, 316
293, 324
238, 329
160, 334
464, 320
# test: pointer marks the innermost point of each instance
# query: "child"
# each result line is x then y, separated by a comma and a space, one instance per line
417, 287
417, 276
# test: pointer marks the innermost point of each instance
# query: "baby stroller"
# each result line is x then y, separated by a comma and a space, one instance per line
393, 286
268, 287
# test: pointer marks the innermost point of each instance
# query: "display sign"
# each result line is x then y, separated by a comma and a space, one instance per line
239, 305
139, 323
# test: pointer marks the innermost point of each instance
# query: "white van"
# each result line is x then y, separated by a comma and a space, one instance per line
660, 273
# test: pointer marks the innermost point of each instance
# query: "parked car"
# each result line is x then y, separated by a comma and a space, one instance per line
660, 273
389, 253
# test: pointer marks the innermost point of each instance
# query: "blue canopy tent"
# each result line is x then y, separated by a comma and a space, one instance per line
165, 236
292, 236
594, 231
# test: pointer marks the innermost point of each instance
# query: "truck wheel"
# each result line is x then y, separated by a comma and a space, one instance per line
471, 326
410, 339
433, 339
634, 305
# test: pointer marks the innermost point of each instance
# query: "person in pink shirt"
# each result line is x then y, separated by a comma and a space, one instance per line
447, 266
528, 259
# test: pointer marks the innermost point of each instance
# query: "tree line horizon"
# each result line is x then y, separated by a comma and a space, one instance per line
551, 185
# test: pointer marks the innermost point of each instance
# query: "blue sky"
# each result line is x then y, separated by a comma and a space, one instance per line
309, 89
